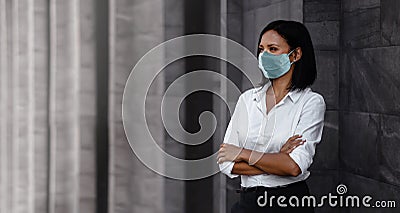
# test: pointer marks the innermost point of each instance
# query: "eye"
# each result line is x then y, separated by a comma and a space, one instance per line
273, 49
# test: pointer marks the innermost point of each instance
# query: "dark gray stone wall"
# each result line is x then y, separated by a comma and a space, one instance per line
356, 44
369, 116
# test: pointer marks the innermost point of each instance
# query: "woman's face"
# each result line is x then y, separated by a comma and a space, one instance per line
273, 43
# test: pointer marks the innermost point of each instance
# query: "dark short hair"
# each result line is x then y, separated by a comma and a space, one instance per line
296, 35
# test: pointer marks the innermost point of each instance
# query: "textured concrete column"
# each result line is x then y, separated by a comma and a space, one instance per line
135, 28
16, 180
87, 104
72, 109
64, 106
24, 99
41, 87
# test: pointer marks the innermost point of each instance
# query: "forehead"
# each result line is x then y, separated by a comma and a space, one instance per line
272, 37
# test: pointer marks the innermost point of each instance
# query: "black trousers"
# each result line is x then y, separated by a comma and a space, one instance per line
251, 202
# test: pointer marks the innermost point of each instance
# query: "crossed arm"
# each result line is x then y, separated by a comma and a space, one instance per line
249, 162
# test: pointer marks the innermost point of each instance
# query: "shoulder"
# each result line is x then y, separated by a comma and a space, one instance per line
250, 94
313, 99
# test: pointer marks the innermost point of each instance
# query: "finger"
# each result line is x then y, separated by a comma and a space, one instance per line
294, 137
221, 160
295, 146
289, 143
292, 140
297, 141
302, 142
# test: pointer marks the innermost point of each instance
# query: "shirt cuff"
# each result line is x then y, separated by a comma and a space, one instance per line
299, 160
226, 168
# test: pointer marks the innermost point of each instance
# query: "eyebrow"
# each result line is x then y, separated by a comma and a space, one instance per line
269, 45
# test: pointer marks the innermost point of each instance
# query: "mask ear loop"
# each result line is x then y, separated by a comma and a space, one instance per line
290, 54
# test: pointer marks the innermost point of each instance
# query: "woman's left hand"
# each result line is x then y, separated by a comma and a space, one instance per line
229, 152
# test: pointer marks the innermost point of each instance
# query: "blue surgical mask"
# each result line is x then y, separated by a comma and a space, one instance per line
274, 66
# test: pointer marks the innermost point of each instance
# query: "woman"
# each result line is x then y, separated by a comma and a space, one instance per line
271, 138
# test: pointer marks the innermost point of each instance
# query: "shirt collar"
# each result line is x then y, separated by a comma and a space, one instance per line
294, 95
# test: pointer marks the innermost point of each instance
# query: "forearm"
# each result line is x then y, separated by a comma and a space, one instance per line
243, 168
272, 163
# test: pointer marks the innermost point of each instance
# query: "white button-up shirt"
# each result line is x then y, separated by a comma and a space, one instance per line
251, 127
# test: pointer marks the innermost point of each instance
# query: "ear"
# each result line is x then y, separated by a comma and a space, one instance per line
297, 54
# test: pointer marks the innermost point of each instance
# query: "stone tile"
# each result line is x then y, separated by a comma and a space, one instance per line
254, 4
316, 10
358, 144
388, 149
287, 10
353, 5
369, 80
390, 18
324, 34
327, 152
235, 6
369, 146
362, 28
327, 82
361, 186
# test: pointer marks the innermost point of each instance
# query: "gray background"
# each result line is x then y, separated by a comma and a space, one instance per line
63, 66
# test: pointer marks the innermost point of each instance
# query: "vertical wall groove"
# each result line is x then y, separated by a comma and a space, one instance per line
76, 54
31, 107
110, 102
14, 167
52, 91
102, 92
3, 107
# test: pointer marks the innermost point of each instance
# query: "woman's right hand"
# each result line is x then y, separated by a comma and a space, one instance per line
292, 143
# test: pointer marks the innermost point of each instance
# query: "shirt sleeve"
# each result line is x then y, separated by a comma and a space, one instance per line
310, 126
231, 137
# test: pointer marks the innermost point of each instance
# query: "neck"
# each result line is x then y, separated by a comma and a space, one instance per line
281, 84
